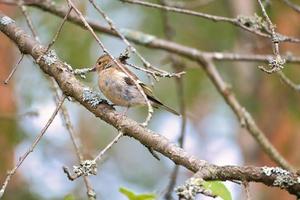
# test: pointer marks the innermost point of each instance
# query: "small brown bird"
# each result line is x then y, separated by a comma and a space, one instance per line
120, 89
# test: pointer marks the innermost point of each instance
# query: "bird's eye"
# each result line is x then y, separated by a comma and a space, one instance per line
99, 62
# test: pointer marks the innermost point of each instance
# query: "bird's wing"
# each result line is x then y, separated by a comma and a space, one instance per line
156, 102
148, 92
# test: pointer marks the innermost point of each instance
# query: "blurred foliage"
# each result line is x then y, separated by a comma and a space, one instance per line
132, 196
69, 197
218, 188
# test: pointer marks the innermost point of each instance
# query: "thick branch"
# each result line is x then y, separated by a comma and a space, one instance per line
70, 86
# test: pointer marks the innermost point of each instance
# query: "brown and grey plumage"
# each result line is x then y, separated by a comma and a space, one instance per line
120, 89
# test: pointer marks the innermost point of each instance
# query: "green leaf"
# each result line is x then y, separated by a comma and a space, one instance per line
69, 197
132, 196
217, 188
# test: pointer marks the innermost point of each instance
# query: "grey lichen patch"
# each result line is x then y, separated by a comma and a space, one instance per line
82, 72
253, 22
6, 20
274, 170
69, 67
276, 63
283, 179
92, 98
191, 188
86, 168
135, 35
50, 57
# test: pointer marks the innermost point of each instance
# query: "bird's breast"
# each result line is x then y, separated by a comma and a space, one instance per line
114, 87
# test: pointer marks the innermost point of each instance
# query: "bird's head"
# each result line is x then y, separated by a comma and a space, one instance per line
102, 62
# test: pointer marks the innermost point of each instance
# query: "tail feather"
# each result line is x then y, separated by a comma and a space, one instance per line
169, 109
158, 104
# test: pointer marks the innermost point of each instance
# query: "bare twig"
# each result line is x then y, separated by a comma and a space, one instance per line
28, 21
179, 10
246, 187
89, 167
234, 21
59, 29
292, 5
27, 17
155, 74
13, 116
115, 140
14, 69
30, 150
188, 4
288, 81
278, 62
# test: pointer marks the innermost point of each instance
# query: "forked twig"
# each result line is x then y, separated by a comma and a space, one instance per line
89, 167
13, 70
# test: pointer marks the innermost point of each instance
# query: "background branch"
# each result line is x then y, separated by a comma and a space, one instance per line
155, 42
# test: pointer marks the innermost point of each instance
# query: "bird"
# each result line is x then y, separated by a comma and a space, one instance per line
120, 89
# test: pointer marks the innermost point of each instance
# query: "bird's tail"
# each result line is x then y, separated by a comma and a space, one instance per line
169, 109
157, 104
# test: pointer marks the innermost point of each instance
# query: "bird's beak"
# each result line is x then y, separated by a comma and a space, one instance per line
93, 69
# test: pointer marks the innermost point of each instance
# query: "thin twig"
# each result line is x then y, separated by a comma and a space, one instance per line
27, 18
288, 81
150, 108
13, 116
115, 140
59, 29
215, 18
188, 4
155, 74
179, 10
246, 187
292, 5
89, 167
17, 2
14, 69
28, 21
30, 150
276, 63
